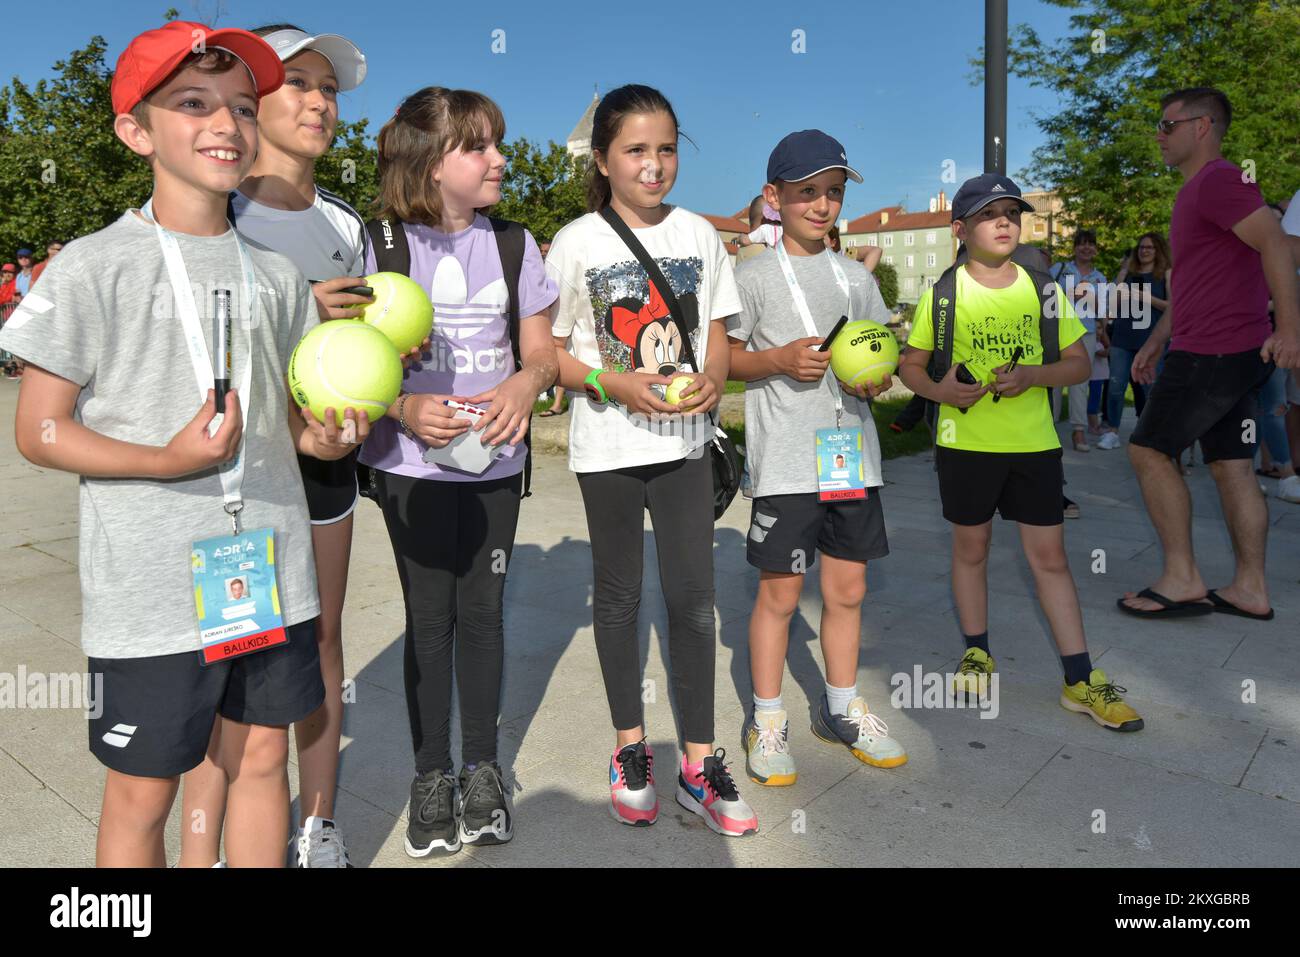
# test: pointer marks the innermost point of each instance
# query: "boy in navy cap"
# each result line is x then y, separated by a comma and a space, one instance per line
996, 445
813, 455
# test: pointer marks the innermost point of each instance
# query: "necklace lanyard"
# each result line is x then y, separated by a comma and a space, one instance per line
801, 304
232, 473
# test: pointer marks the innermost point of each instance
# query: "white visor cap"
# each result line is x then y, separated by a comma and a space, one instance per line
349, 62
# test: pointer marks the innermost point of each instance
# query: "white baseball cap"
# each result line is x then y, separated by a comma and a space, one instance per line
349, 62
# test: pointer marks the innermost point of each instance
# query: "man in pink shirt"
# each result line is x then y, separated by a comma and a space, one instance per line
1229, 253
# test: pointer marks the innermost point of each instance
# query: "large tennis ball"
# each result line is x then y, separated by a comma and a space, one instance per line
863, 352
401, 310
673, 395
345, 364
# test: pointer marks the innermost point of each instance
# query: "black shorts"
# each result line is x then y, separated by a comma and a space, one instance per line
1210, 398
787, 531
156, 714
331, 487
1027, 487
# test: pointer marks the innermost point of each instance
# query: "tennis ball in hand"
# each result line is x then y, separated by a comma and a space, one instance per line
345, 364
864, 351
675, 389
401, 310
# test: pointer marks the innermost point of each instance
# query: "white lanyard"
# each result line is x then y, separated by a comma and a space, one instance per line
801, 303
232, 473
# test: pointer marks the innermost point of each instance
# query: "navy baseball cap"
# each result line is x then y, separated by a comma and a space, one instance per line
978, 191
24, 252
805, 154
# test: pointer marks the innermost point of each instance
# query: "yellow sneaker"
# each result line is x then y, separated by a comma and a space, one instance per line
1100, 699
972, 677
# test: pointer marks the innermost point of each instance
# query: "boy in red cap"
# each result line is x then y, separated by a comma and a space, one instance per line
183, 483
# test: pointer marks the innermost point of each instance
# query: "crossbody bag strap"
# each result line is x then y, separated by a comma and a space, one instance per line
656, 277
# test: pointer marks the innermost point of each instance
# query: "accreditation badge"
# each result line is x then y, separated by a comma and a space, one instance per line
235, 595
839, 465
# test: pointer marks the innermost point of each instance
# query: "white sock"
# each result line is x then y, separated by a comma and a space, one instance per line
837, 699
768, 704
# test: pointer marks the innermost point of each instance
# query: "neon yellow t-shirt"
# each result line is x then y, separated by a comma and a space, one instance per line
990, 323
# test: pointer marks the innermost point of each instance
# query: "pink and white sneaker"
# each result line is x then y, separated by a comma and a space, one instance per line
707, 789
632, 797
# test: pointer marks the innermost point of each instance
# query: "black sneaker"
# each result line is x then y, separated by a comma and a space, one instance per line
484, 806
431, 826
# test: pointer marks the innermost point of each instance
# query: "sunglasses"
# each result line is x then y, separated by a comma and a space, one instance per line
1167, 126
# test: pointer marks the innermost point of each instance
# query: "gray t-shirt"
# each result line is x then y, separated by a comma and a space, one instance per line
782, 415
104, 317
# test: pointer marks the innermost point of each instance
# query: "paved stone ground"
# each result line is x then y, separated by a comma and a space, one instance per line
1211, 781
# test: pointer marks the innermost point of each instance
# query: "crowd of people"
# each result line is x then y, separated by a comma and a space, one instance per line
16, 281
631, 297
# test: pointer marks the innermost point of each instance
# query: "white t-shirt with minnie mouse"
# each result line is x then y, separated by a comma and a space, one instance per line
614, 321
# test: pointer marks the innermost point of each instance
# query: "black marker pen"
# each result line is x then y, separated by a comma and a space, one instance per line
1015, 357
221, 347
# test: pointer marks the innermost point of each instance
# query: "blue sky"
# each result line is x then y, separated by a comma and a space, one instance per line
890, 80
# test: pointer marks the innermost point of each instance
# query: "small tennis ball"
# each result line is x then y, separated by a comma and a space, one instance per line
675, 389
863, 352
401, 310
345, 364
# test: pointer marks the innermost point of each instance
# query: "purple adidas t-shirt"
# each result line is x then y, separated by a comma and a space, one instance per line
471, 337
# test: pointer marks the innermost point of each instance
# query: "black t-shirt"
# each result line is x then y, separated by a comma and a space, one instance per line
1123, 334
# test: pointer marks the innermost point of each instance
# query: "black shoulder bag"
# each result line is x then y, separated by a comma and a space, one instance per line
726, 459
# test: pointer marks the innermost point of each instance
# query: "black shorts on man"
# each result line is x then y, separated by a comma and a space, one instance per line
156, 713
1211, 399
1025, 487
787, 531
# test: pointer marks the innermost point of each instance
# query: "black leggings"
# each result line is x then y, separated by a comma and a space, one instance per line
680, 498
452, 542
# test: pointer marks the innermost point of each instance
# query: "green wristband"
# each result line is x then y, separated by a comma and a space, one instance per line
595, 391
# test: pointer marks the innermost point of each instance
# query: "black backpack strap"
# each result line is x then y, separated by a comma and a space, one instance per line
1049, 322
1049, 327
943, 319
510, 247
656, 277
388, 240
230, 207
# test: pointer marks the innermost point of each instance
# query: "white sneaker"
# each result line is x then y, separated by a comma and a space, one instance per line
319, 845
1288, 490
1109, 441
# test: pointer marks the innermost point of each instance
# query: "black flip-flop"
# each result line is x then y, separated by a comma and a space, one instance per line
1225, 607
1170, 608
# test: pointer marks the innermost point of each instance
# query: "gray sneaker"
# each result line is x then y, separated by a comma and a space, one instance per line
484, 807
319, 844
768, 761
431, 821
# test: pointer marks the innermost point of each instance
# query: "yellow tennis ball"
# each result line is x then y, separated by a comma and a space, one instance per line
675, 389
863, 352
345, 364
401, 310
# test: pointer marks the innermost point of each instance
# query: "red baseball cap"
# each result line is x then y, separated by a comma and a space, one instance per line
151, 57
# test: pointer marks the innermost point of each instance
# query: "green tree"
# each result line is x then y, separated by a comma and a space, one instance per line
351, 168
63, 172
544, 190
887, 277
1110, 70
